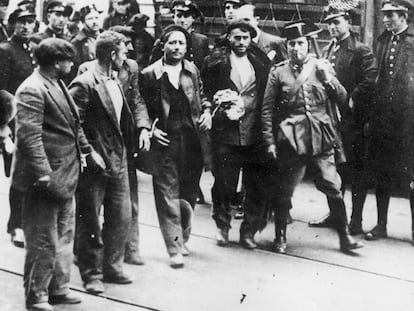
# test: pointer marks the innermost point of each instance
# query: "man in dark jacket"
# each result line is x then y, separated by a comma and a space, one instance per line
391, 151
122, 12
185, 13
299, 131
108, 125
236, 141
16, 63
355, 68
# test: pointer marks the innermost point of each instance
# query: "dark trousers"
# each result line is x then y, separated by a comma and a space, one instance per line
101, 251
48, 226
16, 206
227, 162
178, 177
132, 245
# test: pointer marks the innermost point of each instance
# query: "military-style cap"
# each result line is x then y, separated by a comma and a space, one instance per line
20, 13
397, 5
186, 6
238, 2
86, 10
7, 107
59, 7
332, 13
242, 25
300, 28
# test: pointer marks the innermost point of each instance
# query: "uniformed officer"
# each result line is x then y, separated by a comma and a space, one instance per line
299, 131
355, 67
391, 150
16, 63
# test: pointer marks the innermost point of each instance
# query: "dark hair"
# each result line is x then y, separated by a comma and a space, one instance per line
172, 28
107, 42
243, 26
53, 49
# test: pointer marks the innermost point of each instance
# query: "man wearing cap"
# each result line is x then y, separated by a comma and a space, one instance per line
16, 63
142, 40
120, 15
185, 14
273, 46
391, 149
355, 67
58, 14
236, 143
298, 129
46, 169
229, 9
84, 41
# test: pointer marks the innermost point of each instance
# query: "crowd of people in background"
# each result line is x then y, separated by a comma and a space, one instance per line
84, 106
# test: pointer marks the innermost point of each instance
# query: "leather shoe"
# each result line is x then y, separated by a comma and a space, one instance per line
350, 244
355, 228
177, 261
378, 232
94, 287
222, 237
68, 299
248, 242
117, 279
325, 222
17, 237
41, 306
136, 260
280, 245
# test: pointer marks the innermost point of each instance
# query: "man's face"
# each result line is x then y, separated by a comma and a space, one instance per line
339, 27
92, 21
239, 41
175, 47
24, 27
298, 49
230, 11
245, 13
121, 6
184, 19
119, 56
64, 67
393, 21
57, 21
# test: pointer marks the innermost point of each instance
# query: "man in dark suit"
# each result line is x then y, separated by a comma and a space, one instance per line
185, 14
108, 125
273, 46
58, 14
46, 168
16, 63
237, 143
356, 69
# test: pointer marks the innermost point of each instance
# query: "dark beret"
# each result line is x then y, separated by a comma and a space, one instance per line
165, 34
138, 19
242, 25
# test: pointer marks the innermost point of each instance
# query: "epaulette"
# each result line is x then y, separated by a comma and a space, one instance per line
280, 64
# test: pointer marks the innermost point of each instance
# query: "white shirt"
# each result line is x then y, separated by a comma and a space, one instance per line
243, 67
173, 72
116, 96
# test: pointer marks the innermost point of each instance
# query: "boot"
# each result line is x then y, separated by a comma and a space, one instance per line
383, 199
281, 215
280, 241
346, 241
358, 200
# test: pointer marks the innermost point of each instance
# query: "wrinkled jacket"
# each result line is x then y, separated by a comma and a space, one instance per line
216, 76
300, 116
158, 106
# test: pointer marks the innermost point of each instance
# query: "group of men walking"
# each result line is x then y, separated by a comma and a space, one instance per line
269, 106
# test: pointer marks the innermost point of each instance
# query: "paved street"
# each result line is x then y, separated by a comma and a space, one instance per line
314, 275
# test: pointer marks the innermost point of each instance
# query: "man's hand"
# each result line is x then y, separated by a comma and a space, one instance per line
42, 182
95, 162
272, 151
205, 121
144, 141
161, 137
323, 70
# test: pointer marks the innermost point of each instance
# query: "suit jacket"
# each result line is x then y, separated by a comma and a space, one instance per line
268, 42
196, 52
158, 105
49, 137
216, 76
109, 137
